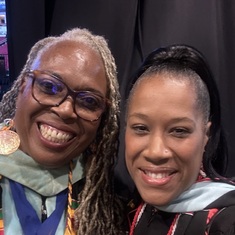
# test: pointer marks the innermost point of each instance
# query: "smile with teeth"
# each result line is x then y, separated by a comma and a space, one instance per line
54, 135
161, 175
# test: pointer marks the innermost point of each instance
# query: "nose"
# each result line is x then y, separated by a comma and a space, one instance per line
66, 109
157, 148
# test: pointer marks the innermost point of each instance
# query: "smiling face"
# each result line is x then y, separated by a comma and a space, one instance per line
53, 136
165, 137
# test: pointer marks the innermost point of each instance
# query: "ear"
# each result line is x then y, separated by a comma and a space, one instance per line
208, 126
207, 132
22, 85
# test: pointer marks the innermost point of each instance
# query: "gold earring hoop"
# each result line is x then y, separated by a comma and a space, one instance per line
9, 140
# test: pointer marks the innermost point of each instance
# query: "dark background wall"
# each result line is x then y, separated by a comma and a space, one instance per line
133, 28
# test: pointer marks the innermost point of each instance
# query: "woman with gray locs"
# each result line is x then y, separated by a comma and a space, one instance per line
59, 132
176, 151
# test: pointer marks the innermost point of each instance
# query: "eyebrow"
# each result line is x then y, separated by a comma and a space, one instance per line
139, 115
80, 89
173, 120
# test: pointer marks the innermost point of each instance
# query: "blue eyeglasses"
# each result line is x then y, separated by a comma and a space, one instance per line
48, 89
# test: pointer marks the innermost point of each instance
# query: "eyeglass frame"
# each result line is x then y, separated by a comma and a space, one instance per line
70, 92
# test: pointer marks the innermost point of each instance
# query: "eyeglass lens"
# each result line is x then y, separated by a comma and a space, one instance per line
50, 90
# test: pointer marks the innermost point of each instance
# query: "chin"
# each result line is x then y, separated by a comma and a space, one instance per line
156, 199
50, 164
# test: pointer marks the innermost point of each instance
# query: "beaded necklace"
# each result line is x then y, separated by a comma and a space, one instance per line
9, 143
140, 211
71, 207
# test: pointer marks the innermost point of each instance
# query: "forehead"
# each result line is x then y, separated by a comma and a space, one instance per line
66, 51
172, 81
78, 64
160, 92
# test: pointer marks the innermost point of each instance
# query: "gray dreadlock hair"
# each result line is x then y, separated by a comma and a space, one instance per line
8, 102
99, 209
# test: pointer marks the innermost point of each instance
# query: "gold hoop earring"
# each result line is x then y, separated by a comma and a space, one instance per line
9, 140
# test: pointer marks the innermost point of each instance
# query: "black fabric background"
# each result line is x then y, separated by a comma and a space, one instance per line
133, 28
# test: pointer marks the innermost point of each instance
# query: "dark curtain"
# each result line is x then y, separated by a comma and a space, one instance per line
133, 28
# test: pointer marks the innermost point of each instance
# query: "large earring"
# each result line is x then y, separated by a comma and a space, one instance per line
9, 140
202, 175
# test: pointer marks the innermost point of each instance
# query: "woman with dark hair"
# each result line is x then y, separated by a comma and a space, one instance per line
176, 151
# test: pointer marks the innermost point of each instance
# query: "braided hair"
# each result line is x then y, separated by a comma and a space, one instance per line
99, 209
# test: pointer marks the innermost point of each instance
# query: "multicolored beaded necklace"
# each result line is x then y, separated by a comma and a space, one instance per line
9, 142
71, 207
140, 211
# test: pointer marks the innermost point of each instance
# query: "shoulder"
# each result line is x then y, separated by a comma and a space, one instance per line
223, 222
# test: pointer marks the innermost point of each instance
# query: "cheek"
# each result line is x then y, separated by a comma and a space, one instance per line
24, 101
22, 104
91, 133
128, 146
26, 109
133, 147
191, 158
191, 149
91, 130
24, 96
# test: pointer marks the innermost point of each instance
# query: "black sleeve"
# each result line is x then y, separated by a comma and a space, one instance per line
223, 222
